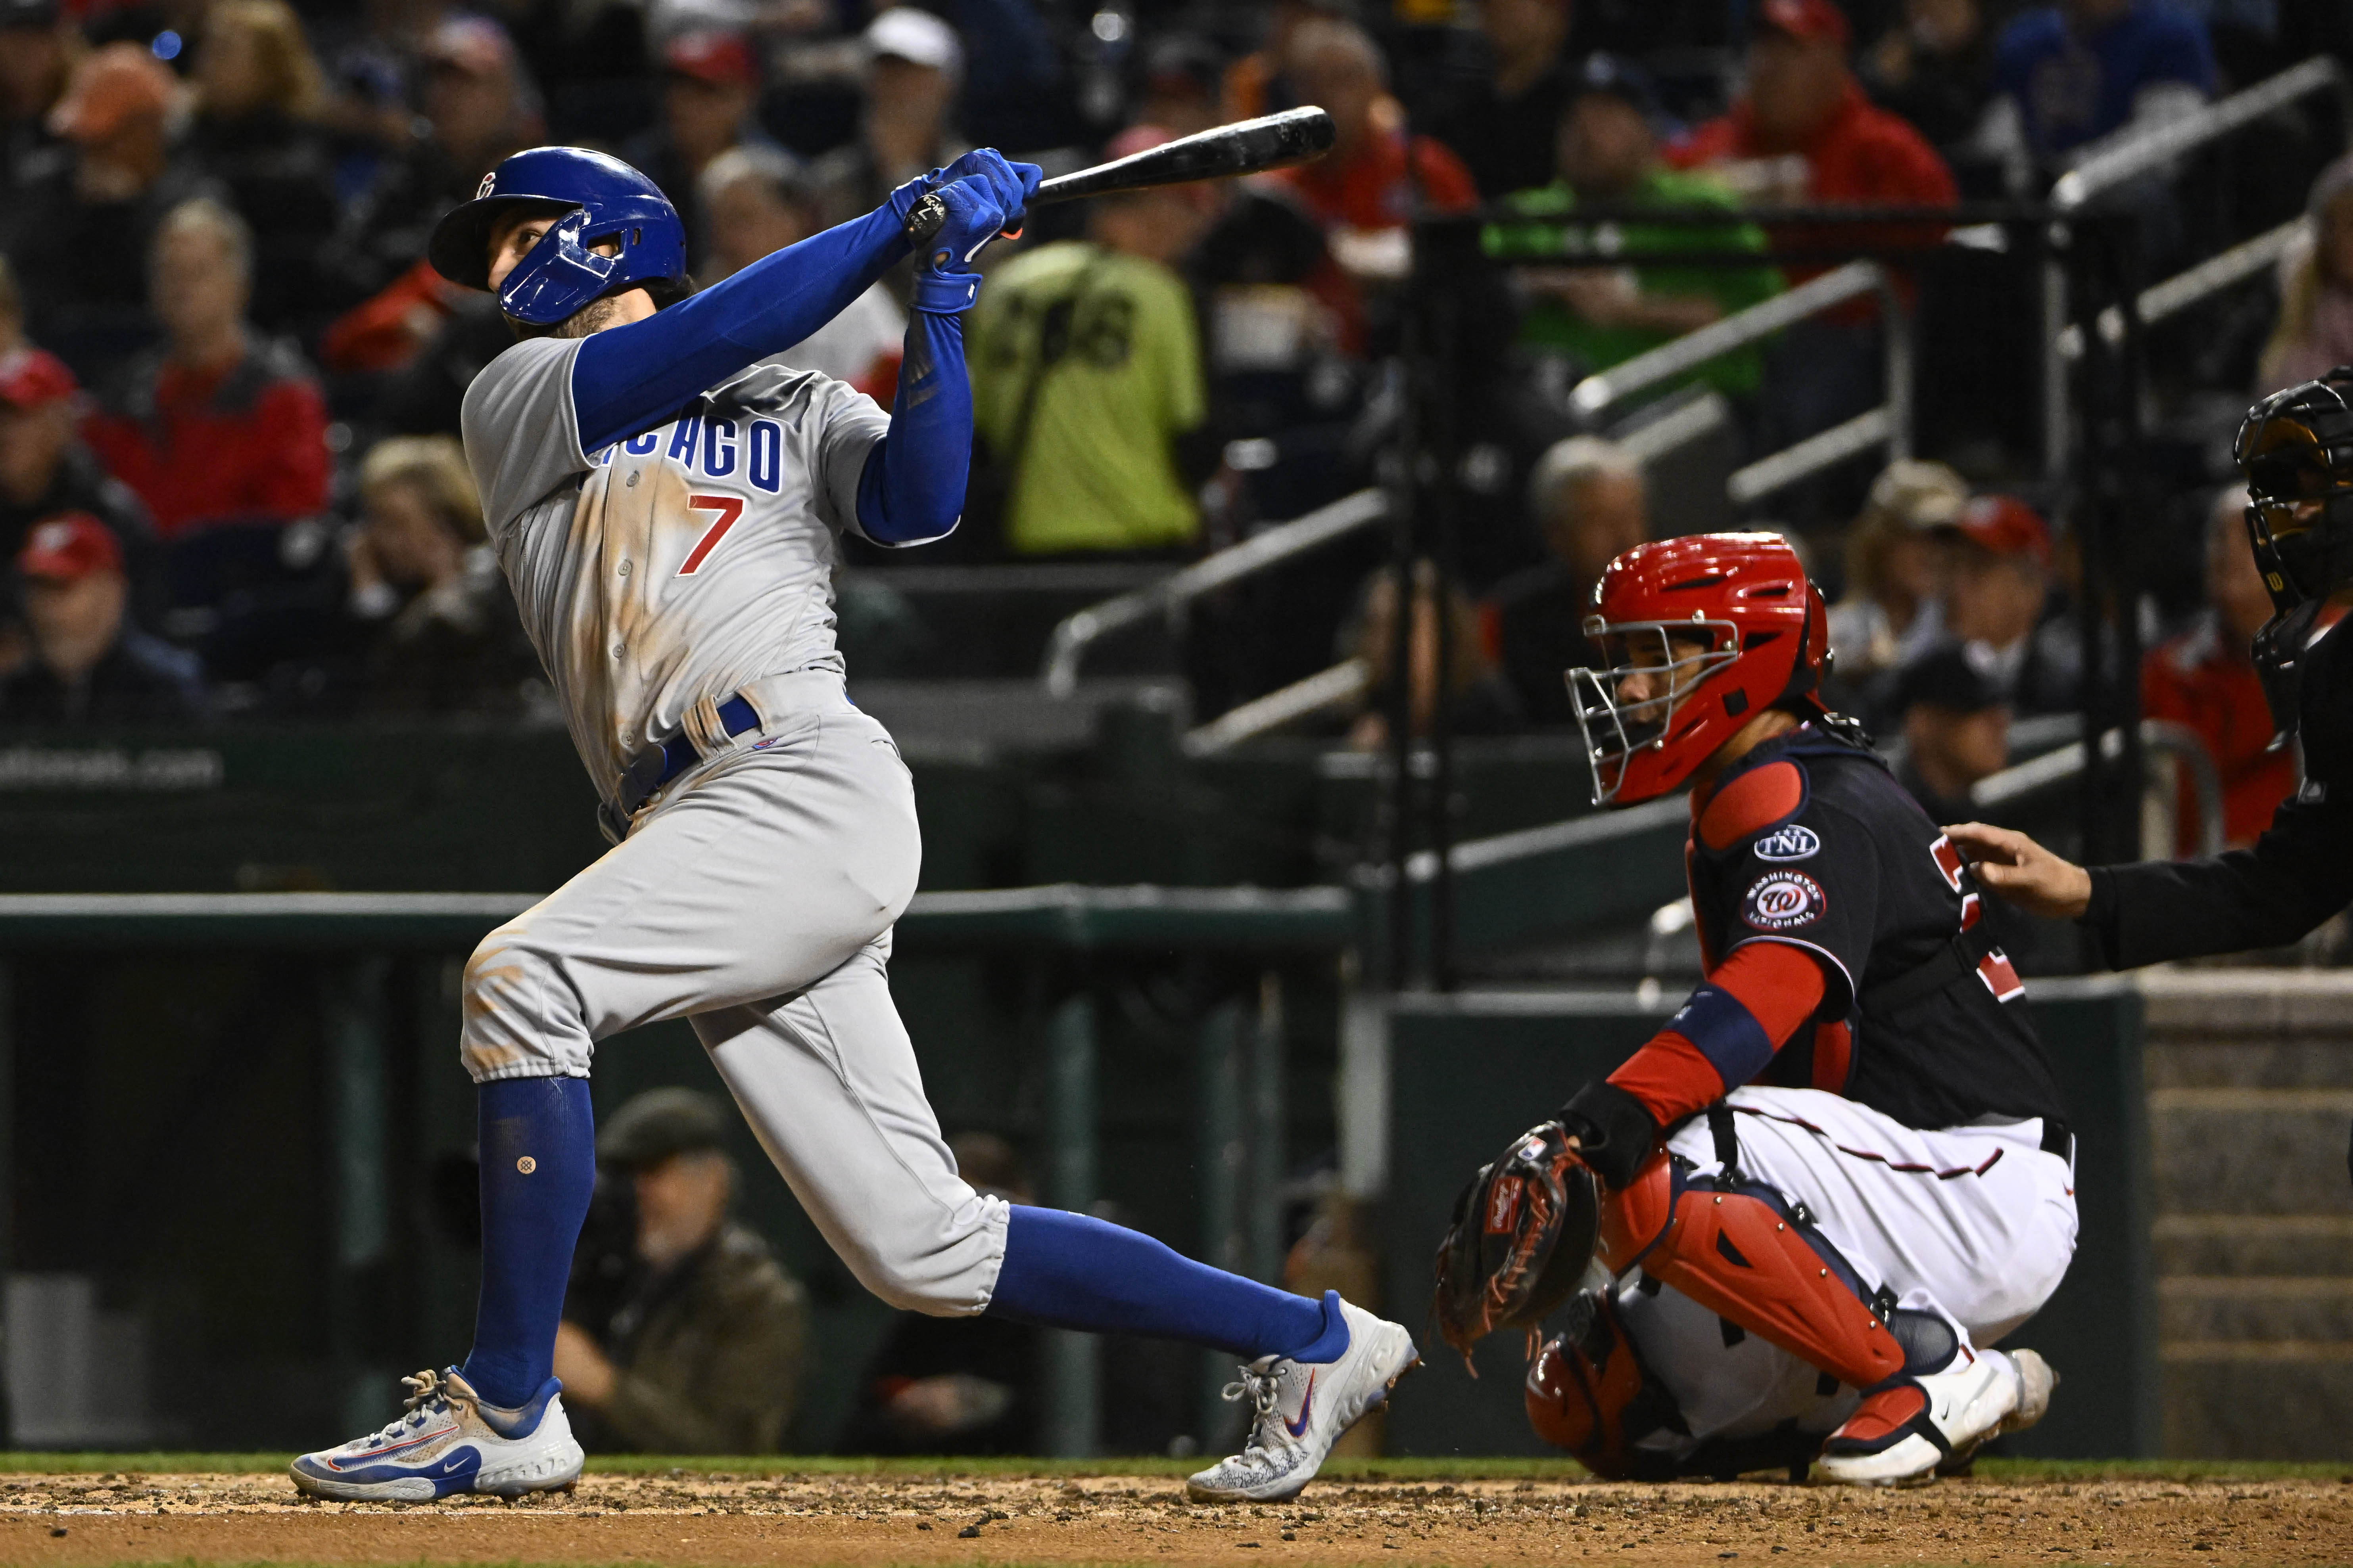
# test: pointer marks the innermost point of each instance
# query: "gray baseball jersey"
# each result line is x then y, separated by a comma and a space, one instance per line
678, 565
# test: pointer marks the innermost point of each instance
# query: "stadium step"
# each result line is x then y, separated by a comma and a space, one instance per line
2250, 1076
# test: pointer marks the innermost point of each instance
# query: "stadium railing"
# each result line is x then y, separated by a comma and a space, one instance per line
2076, 193
1240, 1041
2174, 755
1169, 597
1889, 424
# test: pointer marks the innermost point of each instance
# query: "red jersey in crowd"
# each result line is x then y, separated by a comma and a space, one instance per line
1365, 201
2206, 681
246, 444
1862, 156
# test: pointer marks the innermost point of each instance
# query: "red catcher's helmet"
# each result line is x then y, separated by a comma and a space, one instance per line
1700, 634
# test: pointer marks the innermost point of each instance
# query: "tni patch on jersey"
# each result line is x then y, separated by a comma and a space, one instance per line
1795, 842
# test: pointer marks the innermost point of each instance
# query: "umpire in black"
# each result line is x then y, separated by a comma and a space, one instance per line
2296, 450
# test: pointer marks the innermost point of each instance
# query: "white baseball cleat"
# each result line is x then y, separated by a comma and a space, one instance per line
1303, 1407
1902, 1432
2036, 1379
449, 1442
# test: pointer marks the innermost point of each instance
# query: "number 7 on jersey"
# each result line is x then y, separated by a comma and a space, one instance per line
729, 508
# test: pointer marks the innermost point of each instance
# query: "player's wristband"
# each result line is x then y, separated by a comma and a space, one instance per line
946, 294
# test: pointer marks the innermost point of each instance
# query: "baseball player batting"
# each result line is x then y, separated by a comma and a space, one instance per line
1846, 1145
664, 499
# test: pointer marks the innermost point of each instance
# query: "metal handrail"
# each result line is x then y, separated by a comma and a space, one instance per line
1056, 914
1824, 450
1889, 424
1599, 391
1080, 631
2157, 736
1344, 682
2120, 165
2248, 258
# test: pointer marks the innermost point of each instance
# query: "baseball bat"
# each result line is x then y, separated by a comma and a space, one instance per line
1245, 147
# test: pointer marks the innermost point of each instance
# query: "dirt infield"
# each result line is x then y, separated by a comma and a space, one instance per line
872, 1519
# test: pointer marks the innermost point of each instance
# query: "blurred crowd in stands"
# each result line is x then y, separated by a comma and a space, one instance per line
229, 383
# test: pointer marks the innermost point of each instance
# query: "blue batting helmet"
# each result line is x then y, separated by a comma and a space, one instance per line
604, 198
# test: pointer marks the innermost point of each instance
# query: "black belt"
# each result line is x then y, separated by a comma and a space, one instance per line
2058, 1139
657, 765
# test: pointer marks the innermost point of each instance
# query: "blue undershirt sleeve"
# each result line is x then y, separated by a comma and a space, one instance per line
911, 491
630, 379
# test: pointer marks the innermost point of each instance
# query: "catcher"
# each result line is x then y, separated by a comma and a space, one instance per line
1793, 1222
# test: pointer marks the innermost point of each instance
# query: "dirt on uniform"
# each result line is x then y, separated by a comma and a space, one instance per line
861, 1520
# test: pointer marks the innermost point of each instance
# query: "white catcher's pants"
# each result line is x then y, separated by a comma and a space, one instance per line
1973, 1224
755, 897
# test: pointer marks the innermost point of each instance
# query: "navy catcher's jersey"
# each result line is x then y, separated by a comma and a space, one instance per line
1810, 841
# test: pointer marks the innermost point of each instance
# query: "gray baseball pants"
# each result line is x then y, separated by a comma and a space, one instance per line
755, 897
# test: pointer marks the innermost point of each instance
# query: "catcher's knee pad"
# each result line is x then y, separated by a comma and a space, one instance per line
1588, 1391
1752, 1259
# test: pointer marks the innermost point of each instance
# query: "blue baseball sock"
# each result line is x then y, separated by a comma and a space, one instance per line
1073, 1272
539, 1166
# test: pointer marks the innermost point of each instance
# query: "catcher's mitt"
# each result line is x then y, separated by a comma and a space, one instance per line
1517, 1247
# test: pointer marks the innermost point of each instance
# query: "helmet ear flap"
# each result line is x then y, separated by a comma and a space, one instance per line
560, 273
1812, 665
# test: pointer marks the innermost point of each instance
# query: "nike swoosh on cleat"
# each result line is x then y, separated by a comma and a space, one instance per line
372, 1456
1306, 1408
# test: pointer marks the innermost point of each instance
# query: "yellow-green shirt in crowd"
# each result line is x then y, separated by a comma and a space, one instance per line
1098, 469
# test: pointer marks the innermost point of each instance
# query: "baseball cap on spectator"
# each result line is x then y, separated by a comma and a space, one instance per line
920, 38
1919, 494
31, 377
1615, 76
2004, 525
713, 55
1808, 21
1944, 677
112, 87
660, 1123
1183, 65
474, 45
67, 548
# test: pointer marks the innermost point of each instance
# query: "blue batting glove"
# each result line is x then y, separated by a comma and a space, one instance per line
975, 216
1012, 183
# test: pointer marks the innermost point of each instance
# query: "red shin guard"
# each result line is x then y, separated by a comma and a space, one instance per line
1742, 1260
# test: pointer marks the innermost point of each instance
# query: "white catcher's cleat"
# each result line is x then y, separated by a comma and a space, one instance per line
2036, 1379
449, 1442
1904, 1430
1302, 1409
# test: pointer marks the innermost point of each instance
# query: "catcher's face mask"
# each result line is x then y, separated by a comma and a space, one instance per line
1698, 636
2295, 448
1632, 704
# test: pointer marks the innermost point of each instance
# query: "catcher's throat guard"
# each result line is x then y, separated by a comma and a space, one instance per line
1700, 634
1521, 1237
